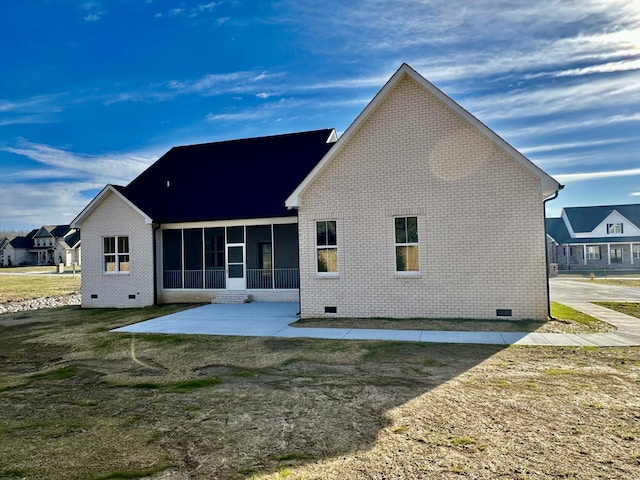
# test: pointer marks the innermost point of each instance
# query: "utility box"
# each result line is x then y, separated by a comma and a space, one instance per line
60, 268
553, 269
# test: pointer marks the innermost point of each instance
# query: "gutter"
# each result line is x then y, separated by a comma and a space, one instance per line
546, 250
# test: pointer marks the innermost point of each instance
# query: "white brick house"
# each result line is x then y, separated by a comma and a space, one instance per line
403, 216
421, 195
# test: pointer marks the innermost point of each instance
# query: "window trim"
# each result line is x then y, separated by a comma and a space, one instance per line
590, 250
117, 254
615, 228
614, 258
326, 246
396, 244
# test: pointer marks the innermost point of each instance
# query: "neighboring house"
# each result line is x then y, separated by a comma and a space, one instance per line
597, 237
47, 245
403, 216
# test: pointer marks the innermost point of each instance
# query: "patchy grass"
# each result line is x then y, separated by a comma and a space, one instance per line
88, 404
620, 282
448, 324
16, 288
601, 274
628, 308
567, 320
63, 373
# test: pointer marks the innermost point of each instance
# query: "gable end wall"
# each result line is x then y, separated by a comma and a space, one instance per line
481, 222
114, 217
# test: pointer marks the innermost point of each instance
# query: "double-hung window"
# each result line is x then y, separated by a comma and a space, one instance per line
593, 252
116, 254
636, 252
407, 247
327, 246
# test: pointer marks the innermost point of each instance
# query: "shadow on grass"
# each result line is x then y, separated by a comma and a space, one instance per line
224, 407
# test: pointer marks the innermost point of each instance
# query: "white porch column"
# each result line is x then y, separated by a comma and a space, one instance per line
584, 253
608, 254
567, 254
631, 252
273, 257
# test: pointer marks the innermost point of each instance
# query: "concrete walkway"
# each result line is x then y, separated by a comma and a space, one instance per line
273, 319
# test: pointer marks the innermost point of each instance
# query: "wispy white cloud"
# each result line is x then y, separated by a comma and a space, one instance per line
94, 9
573, 125
574, 145
63, 182
190, 12
581, 177
97, 169
63, 200
221, 83
272, 110
600, 93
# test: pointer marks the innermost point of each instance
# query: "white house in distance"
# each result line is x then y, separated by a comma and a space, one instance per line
404, 215
47, 245
596, 238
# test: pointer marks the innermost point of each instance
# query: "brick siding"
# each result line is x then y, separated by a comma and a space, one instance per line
114, 217
480, 214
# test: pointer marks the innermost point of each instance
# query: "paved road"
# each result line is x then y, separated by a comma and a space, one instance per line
569, 290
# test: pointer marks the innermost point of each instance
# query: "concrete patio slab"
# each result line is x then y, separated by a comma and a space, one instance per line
262, 319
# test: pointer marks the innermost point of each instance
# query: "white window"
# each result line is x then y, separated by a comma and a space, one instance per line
636, 251
407, 247
327, 246
116, 254
616, 255
614, 228
593, 253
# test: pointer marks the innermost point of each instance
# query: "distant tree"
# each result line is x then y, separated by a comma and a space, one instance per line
13, 233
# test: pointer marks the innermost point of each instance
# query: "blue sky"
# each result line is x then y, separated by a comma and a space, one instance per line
93, 92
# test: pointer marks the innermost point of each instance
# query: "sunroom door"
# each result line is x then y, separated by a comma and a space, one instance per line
236, 277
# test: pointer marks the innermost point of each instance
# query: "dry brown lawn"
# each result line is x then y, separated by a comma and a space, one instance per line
19, 287
78, 402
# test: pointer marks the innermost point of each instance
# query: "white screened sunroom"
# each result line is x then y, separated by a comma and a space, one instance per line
257, 256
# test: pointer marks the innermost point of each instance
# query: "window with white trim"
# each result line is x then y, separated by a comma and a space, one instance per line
593, 252
406, 243
327, 246
614, 228
116, 254
616, 255
636, 252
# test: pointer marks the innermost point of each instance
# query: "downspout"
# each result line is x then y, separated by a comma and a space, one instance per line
546, 250
299, 266
155, 229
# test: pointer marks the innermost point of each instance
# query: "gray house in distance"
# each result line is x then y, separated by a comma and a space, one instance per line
371, 224
595, 237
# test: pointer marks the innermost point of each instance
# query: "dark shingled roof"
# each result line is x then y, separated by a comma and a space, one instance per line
236, 179
557, 230
585, 219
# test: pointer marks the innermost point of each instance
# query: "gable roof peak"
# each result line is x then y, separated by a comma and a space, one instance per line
548, 185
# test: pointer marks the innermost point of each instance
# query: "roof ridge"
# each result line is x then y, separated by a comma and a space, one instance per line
249, 139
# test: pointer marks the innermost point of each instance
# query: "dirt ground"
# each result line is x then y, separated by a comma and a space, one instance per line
78, 402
